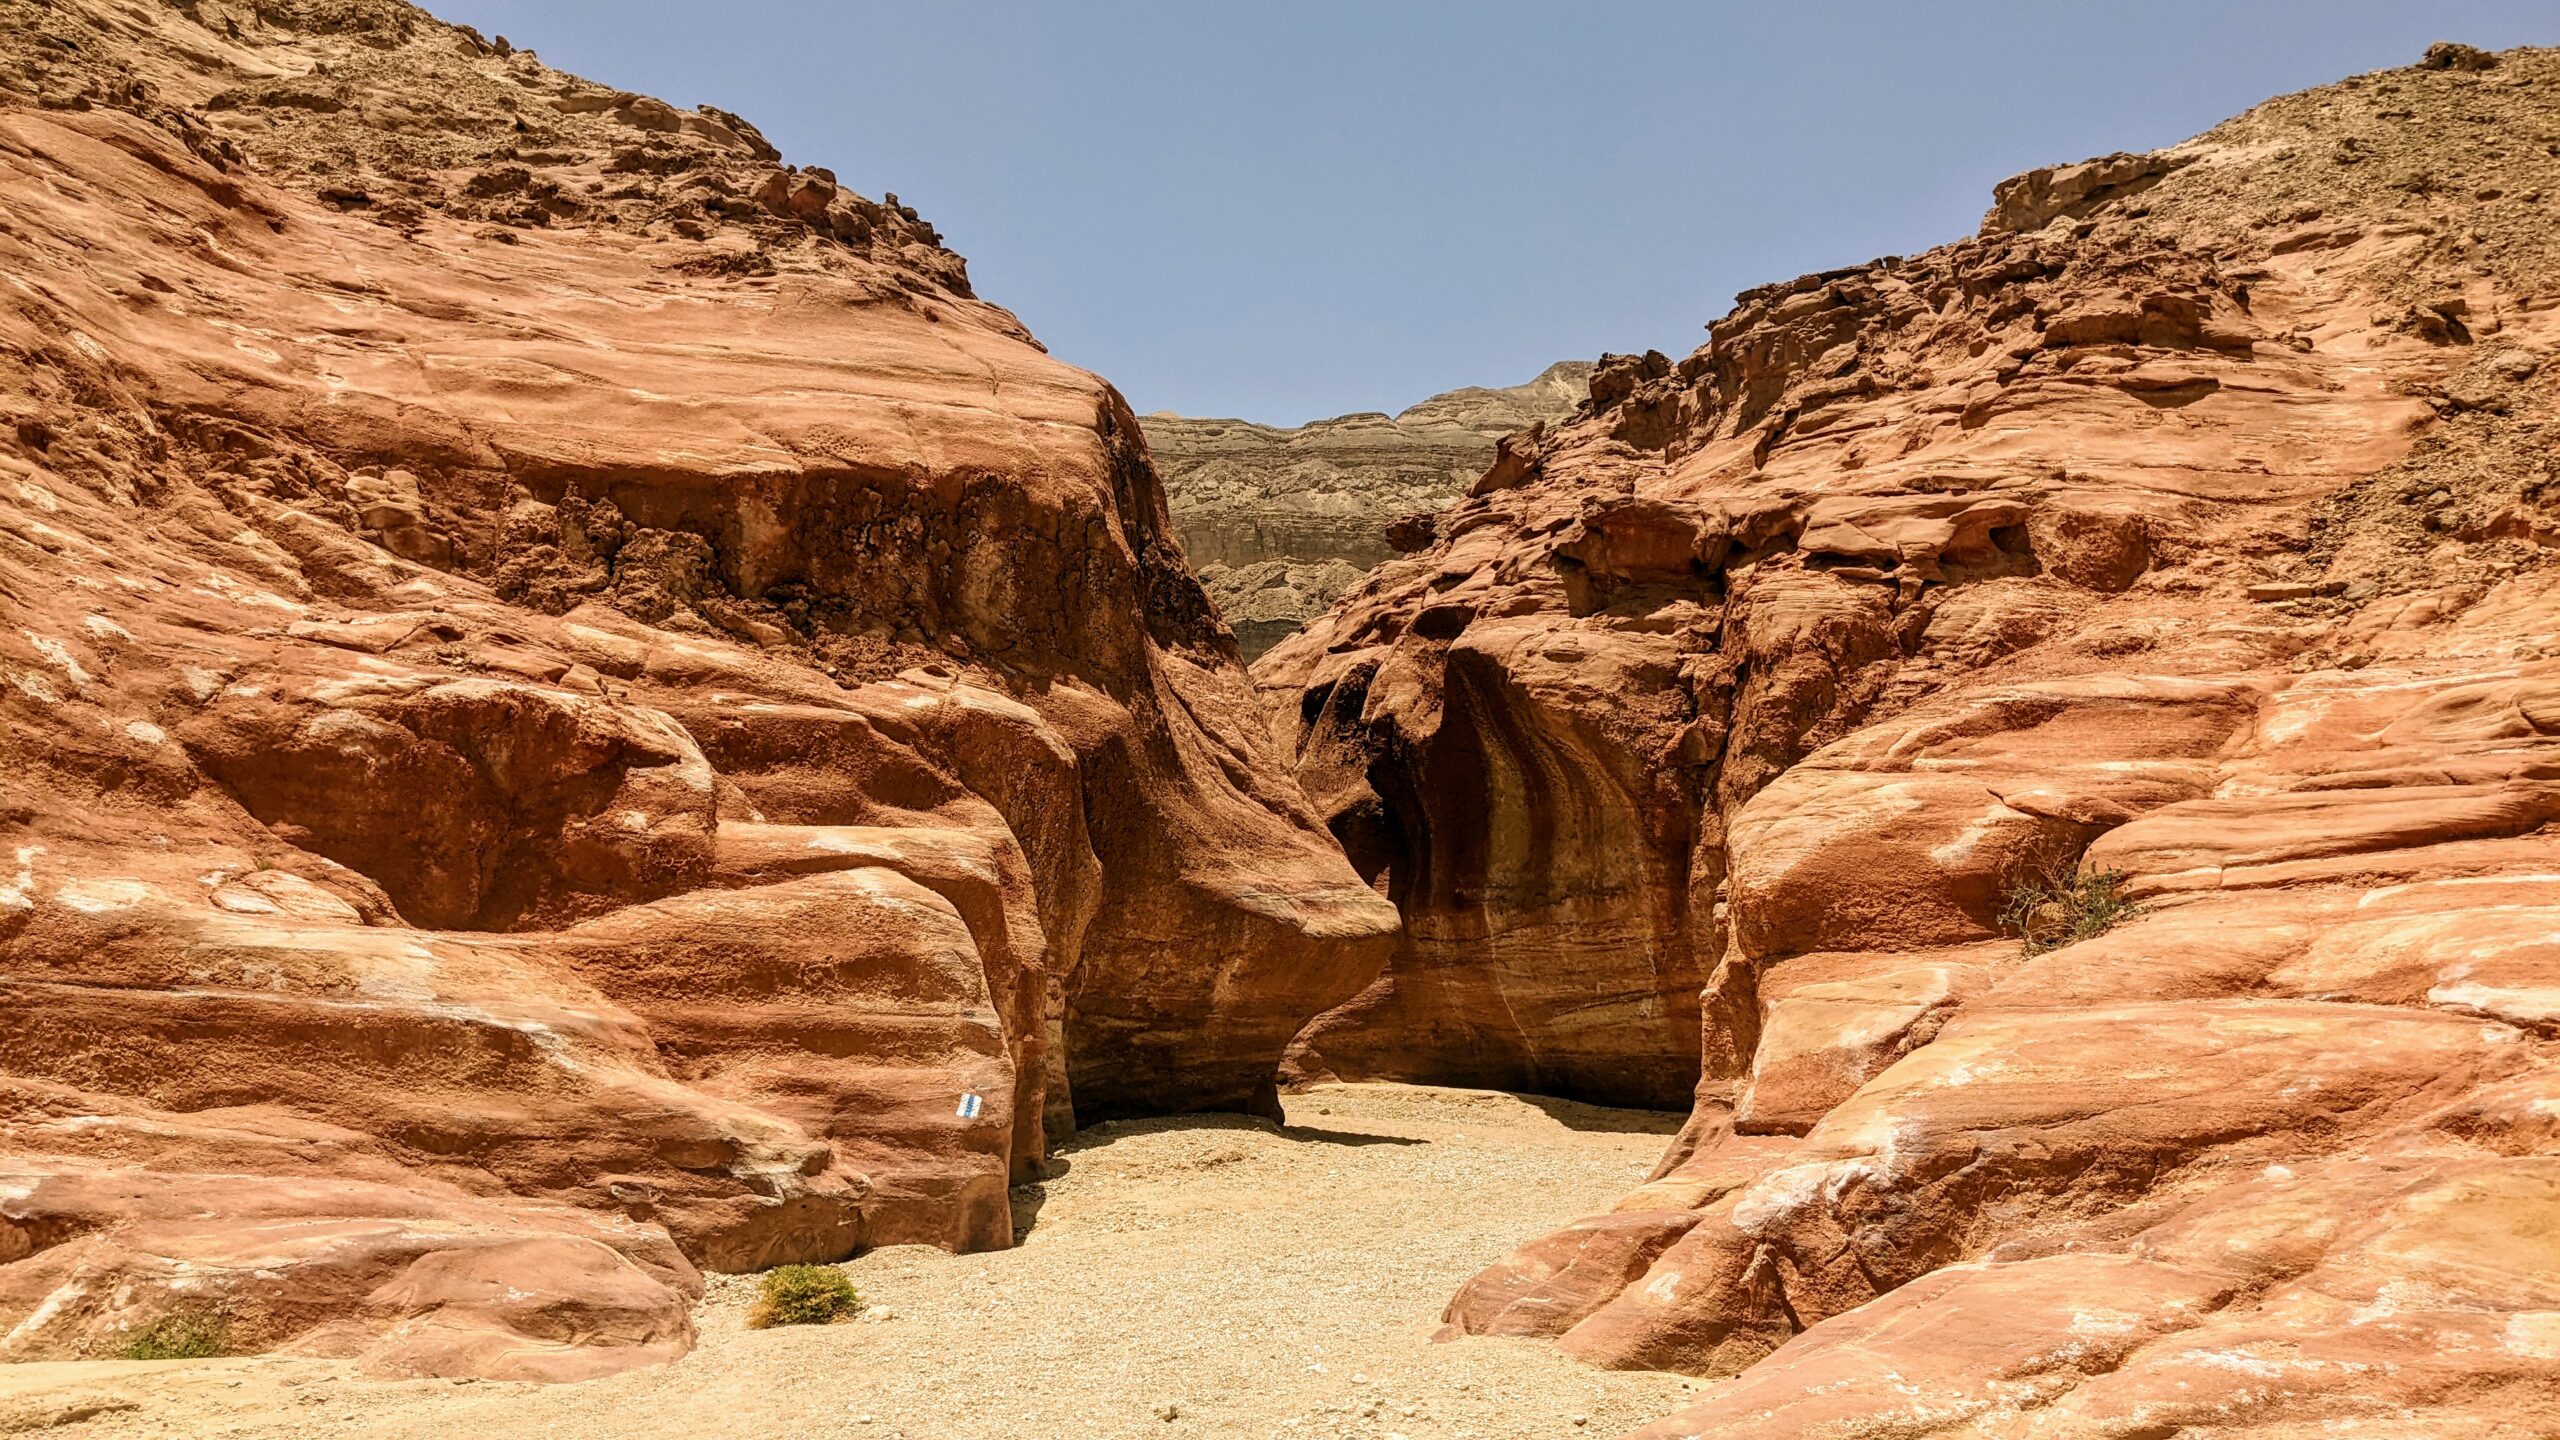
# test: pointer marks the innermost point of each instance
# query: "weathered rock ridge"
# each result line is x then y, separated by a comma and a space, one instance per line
577, 710
2195, 523
1281, 521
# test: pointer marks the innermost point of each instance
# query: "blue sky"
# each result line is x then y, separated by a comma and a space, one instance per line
1290, 210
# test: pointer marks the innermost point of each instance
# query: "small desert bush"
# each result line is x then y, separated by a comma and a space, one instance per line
2054, 902
186, 1335
803, 1295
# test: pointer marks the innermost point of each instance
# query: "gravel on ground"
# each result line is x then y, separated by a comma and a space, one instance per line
1182, 1278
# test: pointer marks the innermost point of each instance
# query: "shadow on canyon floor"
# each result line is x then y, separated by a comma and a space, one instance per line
1572, 1115
1600, 1120
1252, 1282
1028, 1199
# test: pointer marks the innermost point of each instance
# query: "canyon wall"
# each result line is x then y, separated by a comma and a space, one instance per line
2191, 528
1280, 521
578, 710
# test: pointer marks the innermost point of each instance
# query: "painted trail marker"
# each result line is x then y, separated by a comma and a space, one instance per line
970, 1104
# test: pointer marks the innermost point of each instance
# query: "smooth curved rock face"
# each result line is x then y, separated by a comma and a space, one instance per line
1547, 834
2191, 523
1281, 521
578, 711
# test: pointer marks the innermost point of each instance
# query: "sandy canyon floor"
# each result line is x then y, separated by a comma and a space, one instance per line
1250, 1281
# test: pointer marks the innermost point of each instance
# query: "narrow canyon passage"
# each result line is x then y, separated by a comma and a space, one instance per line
1259, 1282
586, 720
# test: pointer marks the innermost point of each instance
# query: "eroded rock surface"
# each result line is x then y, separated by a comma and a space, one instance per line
2195, 522
1282, 520
577, 709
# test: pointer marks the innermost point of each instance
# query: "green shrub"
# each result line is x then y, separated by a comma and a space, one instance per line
185, 1335
2053, 903
803, 1295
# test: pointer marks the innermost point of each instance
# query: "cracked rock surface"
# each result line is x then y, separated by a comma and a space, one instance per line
2194, 523
579, 711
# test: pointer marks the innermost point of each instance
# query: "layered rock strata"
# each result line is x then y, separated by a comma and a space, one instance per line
2192, 525
1282, 520
578, 711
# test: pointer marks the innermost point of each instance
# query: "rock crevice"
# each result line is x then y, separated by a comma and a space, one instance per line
1755, 691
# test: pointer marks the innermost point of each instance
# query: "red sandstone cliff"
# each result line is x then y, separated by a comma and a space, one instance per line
2195, 521
569, 692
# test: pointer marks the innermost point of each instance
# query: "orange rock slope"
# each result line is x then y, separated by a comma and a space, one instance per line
2191, 528
576, 709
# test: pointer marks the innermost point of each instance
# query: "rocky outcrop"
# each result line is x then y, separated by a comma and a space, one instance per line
579, 711
2188, 529
1281, 521
1268, 601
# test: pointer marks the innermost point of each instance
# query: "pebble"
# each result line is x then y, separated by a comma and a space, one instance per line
1150, 1244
